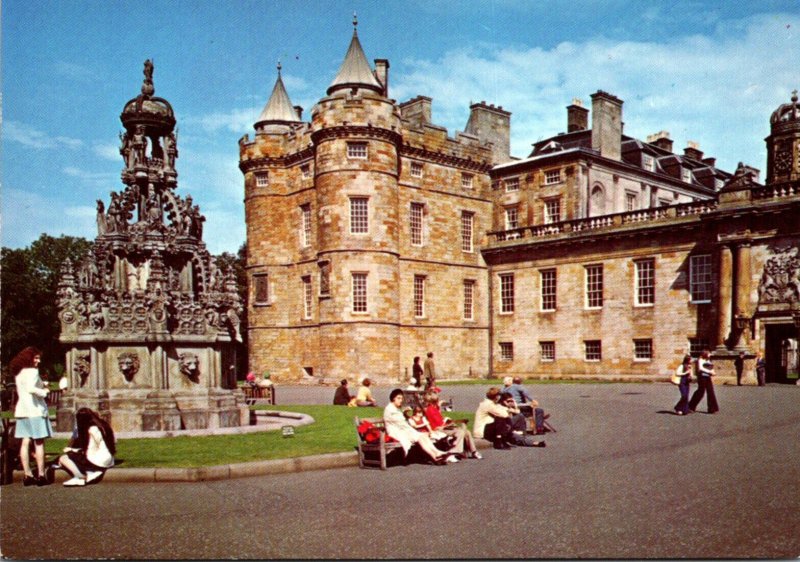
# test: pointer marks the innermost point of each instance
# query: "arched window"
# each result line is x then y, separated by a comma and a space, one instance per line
597, 201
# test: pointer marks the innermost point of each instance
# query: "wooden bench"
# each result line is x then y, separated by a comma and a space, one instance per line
252, 394
381, 447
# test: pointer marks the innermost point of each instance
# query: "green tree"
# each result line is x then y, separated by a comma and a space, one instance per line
29, 283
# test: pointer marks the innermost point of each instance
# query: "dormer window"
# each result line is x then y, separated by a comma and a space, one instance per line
357, 150
718, 183
551, 177
686, 175
512, 184
648, 163
416, 169
262, 179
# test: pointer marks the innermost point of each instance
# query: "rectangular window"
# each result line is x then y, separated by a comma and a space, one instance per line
552, 211
512, 218
630, 202
645, 282
359, 215
359, 292
697, 346
594, 286
547, 351
548, 280
664, 202
593, 350
506, 293
512, 184
642, 350
419, 296
305, 212
415, 222
648, 163
261, 282
506, 351
262, 179
308, 295
495, 185
416, 169
466, 231
469, 299
466, 180
305, 170
357, 150
686, 175
700, 283
551, 177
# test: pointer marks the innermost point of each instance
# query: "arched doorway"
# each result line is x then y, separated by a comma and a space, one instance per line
781, 353
597, 201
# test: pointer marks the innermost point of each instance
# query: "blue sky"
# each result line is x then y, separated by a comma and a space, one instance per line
711, 72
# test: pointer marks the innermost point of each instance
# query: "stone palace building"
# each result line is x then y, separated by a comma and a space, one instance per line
373, 236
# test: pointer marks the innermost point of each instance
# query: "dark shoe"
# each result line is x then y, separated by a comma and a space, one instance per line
540, 444
42, 481
546, 417
713, 412
29, 481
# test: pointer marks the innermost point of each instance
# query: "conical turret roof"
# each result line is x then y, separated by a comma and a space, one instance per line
279, 108
355, 71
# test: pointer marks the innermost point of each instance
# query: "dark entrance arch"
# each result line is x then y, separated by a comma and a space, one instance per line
781, 353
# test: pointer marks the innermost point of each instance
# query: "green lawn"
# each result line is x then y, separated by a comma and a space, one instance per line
332, 432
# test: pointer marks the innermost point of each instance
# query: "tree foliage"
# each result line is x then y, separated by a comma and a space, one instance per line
29, 282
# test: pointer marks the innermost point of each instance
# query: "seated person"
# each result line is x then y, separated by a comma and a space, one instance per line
250, 379
364, 397
342, 395
518, 423
397, 427
91, 452
263, 382
463, 438
492, 421
418, 421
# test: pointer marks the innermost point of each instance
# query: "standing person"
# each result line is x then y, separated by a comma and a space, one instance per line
761, 369
430, 371
342, 395
684, 371
364, 397
738, 364
91, 453
416, 373
33, 420
397, 427
705, 371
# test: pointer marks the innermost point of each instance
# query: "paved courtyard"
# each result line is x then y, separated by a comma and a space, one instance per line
622, 478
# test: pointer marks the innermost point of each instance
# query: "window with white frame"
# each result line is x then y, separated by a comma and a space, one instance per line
506, 293
261, 288
697, 346
308, 295
648, 163
548, 288
359, 292
686, 175
416, 169
512, 218
466, 180
643, 350
594, 286
305, 171
631, 202
357, 150
552, 176
469, 299
359, 215
419, 296
552, 211
262, 179
592, 350
506, 351
645, 281
415, 223
718, 183
305, 218
547, 351
512, 184
467, 219
700, 280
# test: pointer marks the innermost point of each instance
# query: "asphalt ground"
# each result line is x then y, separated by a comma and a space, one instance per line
622, 478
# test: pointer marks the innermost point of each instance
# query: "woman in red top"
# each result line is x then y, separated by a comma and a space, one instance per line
459, 431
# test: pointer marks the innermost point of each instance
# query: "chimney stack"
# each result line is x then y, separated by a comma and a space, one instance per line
693, 151
661, 140
577, 116
382, 74
417, 110
298, 109
607, 125
491, 125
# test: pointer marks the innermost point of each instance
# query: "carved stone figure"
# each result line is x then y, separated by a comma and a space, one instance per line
139, 146
190, 366
101, 218
82, 367
128, 365
780, 280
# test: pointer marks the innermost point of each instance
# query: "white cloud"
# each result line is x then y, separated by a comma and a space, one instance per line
235, 120
27, 214
107, 151
31, 137
75, 71
93, 179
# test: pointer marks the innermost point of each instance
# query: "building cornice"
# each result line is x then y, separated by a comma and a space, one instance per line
440, 157
267, 162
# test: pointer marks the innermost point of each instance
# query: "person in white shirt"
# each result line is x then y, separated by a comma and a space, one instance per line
705, 372
31, 414
493, 421
91, 452
397, 427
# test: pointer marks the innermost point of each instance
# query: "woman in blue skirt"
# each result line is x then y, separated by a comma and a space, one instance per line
33, 421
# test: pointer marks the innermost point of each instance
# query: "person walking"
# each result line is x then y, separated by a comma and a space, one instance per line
738, 364
684, 371
705, 372
761, 369
32, 417
416, 374
430, 371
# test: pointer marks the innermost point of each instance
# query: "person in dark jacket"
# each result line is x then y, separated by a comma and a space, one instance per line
342, 395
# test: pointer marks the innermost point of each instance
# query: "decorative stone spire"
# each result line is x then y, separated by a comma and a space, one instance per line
148, 89
279, 109
355, 71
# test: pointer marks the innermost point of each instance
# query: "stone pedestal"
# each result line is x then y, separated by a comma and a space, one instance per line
161, 412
